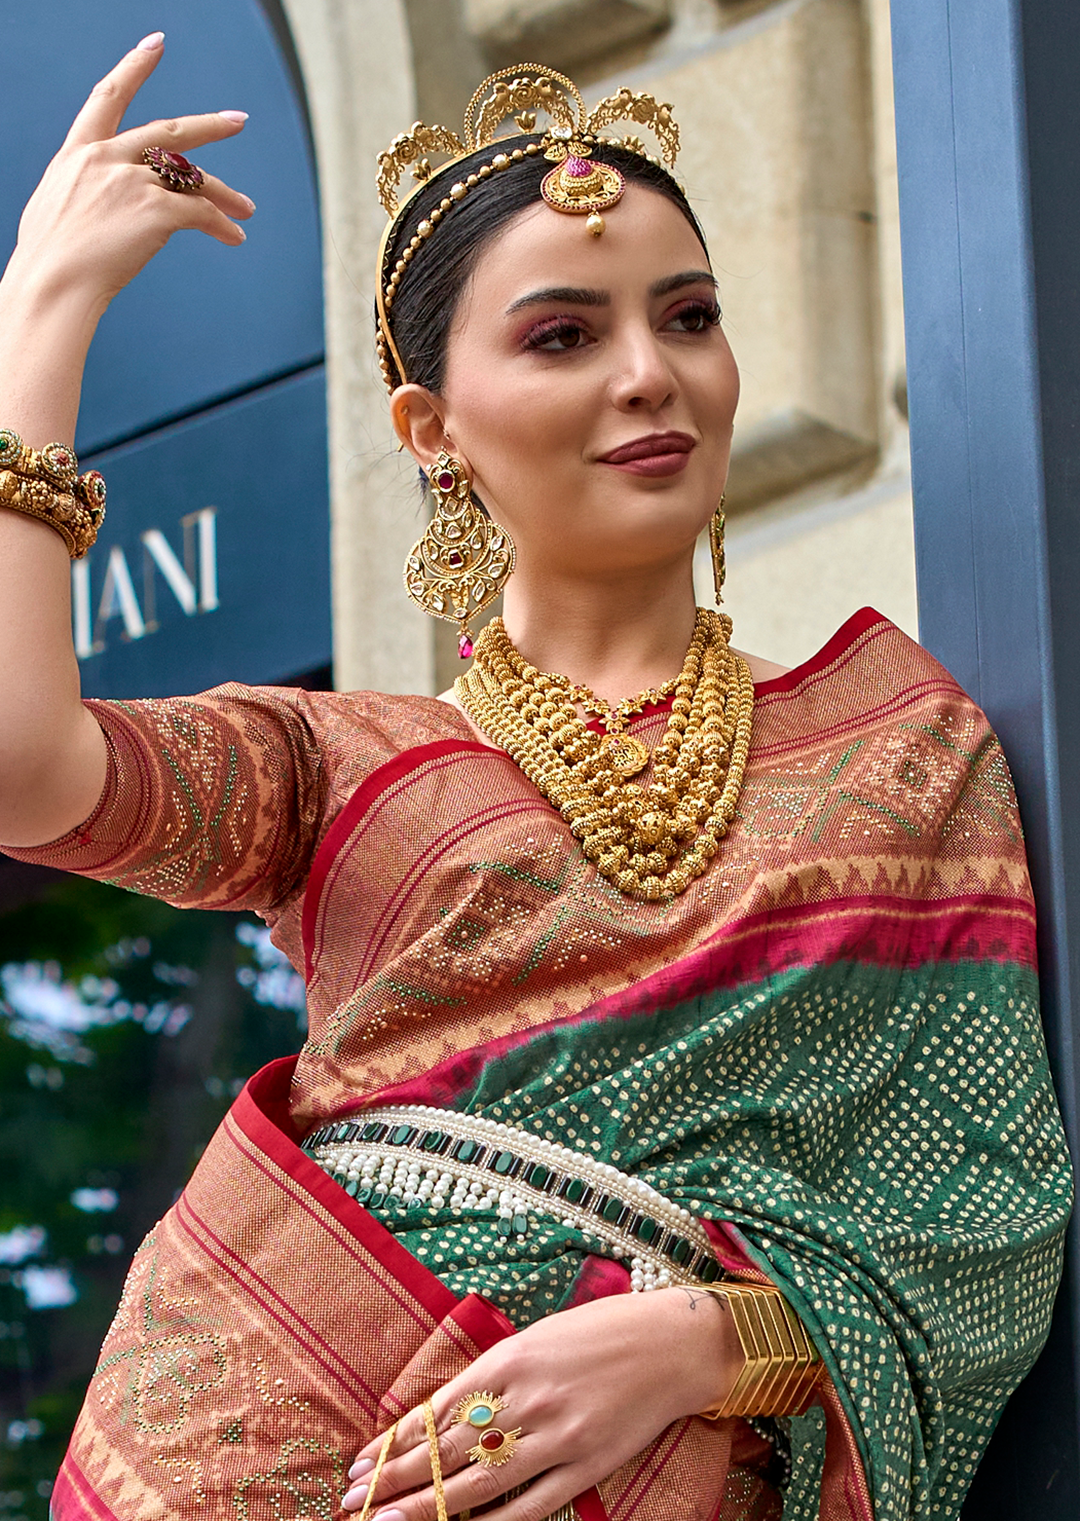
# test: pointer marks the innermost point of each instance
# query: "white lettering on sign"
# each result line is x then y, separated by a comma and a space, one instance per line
157, 554
192, 581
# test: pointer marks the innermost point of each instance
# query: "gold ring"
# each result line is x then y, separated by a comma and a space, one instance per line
494, 1448
478, 1410
174, 170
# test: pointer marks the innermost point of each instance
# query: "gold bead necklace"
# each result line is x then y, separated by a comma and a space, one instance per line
650, 842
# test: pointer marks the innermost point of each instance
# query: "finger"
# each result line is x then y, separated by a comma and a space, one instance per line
545, 1496
471, 1487
181, 133
410, 1468
111, 96
408, 1465
410, 1432
204, 217
232, 202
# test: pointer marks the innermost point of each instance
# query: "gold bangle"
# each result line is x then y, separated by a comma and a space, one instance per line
56, 464
780, 1363
45, 484
73, 520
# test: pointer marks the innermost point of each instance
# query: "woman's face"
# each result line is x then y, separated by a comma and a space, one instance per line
590, 388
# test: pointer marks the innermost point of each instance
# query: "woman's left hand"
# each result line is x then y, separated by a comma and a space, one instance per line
589, 1388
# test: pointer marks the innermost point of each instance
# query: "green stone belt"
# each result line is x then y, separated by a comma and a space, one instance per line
412, 1157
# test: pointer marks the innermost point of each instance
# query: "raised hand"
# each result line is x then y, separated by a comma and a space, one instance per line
100, 214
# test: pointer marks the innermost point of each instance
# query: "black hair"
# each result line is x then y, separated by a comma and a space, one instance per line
430, 289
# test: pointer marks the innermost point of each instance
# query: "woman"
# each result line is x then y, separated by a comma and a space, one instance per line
752, 1037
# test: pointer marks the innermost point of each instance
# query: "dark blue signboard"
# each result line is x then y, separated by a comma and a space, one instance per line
218, 572
204, 401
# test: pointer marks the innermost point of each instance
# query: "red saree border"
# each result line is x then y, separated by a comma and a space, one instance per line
839, 644
72, 1499
905, 935
260, 1114
399, 766
866, 718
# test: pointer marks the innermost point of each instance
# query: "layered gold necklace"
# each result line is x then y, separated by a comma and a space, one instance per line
649, 841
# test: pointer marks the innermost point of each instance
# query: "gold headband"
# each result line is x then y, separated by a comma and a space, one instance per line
579, 184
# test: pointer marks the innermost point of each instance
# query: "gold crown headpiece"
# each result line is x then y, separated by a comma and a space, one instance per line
579, 183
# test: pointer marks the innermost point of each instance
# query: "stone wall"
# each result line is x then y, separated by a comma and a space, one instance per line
788, 155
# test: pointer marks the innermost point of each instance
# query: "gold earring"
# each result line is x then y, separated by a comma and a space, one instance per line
716, 547
464, 560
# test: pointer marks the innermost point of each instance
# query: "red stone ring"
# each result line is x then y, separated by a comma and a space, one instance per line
494, 1447
177, 172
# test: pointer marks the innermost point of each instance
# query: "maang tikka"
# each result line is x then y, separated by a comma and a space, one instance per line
463, 561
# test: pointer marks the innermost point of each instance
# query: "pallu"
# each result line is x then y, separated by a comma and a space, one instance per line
828, 1050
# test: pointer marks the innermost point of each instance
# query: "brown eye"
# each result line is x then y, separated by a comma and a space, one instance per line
696, 317
553, 337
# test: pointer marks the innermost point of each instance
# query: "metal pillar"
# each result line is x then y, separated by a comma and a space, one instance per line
988, 130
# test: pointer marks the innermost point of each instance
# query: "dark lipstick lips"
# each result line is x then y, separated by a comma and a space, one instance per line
646, 448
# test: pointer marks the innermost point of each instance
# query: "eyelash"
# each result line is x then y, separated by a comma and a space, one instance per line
561, 327
709, 311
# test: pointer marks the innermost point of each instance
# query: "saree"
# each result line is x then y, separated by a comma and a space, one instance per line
828, 1050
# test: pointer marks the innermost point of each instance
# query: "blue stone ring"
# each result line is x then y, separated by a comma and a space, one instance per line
478, 1410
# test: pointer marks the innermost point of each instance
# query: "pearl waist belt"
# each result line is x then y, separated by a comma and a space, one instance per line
412, 1156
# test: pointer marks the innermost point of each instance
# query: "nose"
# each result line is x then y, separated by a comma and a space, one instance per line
643, 378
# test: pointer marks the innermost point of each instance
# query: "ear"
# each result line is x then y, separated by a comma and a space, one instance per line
418, 418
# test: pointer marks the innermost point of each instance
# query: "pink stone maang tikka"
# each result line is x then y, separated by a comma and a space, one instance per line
579, 185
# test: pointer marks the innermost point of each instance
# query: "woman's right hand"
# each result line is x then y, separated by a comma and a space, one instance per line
97, 217
100, 214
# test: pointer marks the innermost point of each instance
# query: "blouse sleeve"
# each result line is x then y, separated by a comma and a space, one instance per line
212, 801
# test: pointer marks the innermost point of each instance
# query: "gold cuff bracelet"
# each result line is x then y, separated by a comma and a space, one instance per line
45, 484
781, 1364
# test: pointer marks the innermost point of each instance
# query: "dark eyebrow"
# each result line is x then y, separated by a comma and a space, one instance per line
571, 295
669, 283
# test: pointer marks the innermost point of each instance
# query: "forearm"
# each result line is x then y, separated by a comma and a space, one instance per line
46, 326
52, 754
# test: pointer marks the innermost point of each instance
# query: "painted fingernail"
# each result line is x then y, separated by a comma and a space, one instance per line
152, 43
234, 115
390, 1515
355, 1497
361, 1467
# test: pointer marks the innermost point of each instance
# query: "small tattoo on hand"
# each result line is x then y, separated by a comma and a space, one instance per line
695, 1297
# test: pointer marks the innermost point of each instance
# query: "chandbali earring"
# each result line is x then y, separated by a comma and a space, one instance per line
463, 561
716, 547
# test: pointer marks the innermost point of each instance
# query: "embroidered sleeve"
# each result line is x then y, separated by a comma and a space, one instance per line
212, 801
